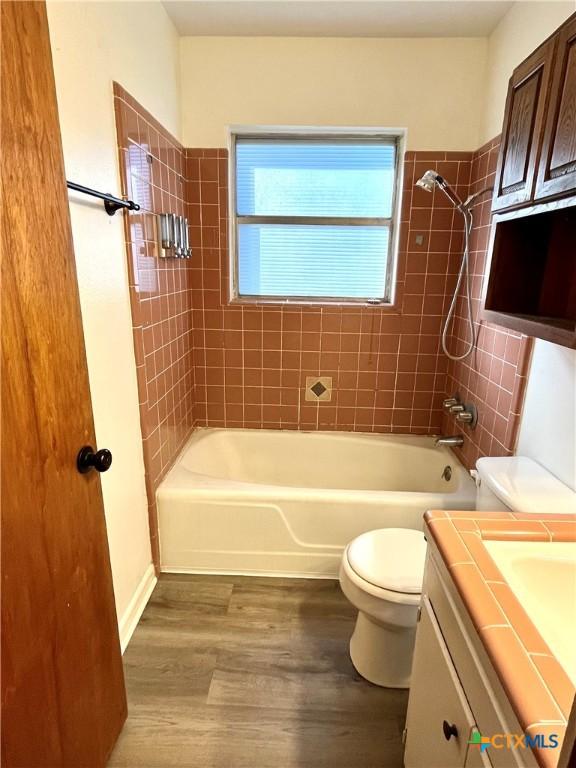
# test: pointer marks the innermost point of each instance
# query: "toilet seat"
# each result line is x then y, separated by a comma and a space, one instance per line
388, 563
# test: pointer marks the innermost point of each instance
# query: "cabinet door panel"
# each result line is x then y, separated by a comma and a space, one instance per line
522, 131
477, 759
557, 171
436, 696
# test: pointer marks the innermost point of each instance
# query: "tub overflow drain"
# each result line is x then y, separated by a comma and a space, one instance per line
447, 474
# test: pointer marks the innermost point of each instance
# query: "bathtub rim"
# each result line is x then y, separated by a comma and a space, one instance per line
180, 481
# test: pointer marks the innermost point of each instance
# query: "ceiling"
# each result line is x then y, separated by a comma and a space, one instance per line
336, 18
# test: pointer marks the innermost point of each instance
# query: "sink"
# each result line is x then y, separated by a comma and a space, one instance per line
543, 577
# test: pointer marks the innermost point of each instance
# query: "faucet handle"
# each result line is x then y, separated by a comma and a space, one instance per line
456, 408
449, 402
468, 416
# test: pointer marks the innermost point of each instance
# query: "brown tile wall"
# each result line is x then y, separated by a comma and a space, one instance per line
202, 361
152, 168
494, 376
251, 362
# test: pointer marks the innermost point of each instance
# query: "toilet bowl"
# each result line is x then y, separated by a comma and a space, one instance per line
381, 574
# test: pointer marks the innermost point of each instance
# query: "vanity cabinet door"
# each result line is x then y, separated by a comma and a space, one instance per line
439, 723
477, 759
523, 127
557, 171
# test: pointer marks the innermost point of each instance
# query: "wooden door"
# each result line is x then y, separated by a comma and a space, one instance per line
63, 696
557, 168
522, 129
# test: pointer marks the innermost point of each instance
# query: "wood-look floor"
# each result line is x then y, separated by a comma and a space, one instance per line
241, 672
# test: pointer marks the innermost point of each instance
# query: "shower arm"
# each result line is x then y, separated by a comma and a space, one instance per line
463, 207
472, 199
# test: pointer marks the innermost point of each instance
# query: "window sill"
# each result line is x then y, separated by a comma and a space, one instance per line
313, 303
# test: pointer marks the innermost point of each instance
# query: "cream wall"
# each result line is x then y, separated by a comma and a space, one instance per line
136, 45
430, 86
548, 427
520, 31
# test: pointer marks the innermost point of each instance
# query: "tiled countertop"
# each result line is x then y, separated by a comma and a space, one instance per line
538, 688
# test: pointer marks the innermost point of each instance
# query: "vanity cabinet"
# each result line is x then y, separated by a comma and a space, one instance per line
530, 284
439, 722
454, 690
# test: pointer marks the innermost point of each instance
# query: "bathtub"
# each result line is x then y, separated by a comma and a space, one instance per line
286, 503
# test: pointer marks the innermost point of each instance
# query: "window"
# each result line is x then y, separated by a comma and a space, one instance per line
313, 216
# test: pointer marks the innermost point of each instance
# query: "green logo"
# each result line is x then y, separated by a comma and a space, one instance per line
482, 741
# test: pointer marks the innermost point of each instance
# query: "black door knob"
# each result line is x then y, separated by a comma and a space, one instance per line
87, 459
449, 730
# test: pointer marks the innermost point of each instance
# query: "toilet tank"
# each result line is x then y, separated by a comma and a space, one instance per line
486, 499
519, 484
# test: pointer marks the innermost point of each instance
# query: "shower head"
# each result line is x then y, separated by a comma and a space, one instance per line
431, 179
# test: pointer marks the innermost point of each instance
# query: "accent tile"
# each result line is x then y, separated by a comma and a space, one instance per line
480, 601
557, 681
529, 696
480, 556
449, 541
564, 530
527, 632
503, 529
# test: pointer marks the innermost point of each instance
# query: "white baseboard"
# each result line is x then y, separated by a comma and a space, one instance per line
131, 617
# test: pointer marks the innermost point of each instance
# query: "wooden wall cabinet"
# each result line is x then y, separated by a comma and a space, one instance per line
523, 122
557, 169
530, 284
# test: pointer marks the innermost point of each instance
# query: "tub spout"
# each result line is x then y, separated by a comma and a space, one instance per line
457, 440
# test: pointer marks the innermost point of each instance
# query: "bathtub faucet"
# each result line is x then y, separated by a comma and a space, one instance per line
457, 440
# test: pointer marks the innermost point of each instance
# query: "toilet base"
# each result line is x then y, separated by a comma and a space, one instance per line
382, 654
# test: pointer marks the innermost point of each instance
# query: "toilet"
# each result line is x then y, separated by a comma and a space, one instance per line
381, 574
381, 571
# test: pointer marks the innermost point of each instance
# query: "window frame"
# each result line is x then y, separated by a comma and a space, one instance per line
395, 135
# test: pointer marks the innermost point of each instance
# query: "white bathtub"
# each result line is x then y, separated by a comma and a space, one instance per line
287, 503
